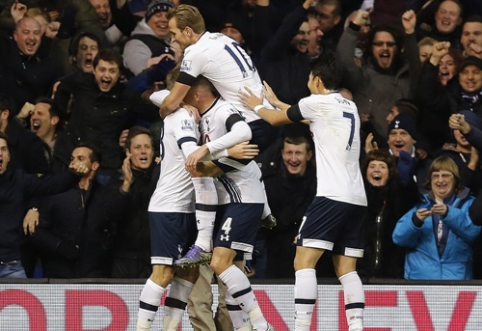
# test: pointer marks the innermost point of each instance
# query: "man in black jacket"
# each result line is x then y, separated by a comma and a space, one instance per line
16, 188
26, 149
101, 108
127, 204
289, 179
26, 73
73, 234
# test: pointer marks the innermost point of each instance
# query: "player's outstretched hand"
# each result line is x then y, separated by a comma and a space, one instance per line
249, 99
272, 98
244, 150
194, 158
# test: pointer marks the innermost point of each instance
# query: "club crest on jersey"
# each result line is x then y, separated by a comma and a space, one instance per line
206, 121
187, 125
186, 65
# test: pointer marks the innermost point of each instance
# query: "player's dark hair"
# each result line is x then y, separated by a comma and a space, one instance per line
328, 69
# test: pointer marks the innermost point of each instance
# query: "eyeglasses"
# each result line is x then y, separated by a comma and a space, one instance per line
381, 43
445, 176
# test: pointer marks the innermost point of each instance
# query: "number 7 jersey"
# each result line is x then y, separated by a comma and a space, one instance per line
335, 125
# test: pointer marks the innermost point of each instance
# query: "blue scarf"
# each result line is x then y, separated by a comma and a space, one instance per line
439, 225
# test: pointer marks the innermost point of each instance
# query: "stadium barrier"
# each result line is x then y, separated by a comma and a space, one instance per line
111, 305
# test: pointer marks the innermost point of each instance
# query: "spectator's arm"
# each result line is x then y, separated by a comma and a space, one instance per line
411, 51
281, 41
123, 18
430, 94
474, 137
406, 233
135, 55
346, 53
460, 222
475, 210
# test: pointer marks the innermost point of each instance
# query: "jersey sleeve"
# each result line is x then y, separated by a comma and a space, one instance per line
237, 130
308, 108
193, 64
294, 114
185, 128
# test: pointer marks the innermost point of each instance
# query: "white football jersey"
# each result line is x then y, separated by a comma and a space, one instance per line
335, 125
242, 184
175, 191
227, 66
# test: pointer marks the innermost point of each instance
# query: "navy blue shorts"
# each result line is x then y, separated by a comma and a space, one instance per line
171, 236
237, 225
333, 225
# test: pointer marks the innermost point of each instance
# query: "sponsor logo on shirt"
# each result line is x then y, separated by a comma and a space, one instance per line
186, 65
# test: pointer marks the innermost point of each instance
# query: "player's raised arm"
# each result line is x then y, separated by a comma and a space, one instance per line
174, 99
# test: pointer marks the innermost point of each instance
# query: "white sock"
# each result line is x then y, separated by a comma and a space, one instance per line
239, 318
239, 287
149, 302
266, 209
206, 203
306, 290
176, 302
354, 300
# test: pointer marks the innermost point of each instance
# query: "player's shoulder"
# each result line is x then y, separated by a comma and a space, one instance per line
181, 115
223, 107
206, 42
331, 99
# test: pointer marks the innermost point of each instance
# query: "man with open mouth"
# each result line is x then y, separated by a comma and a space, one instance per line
150, 41
26, 73
384, 77
448, 19
101, 107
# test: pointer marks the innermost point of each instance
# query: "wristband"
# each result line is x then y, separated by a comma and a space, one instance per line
257, 108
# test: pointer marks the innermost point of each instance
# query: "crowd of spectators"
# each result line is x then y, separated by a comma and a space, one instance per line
75, 81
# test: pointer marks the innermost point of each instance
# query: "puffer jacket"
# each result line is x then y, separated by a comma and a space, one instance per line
422, 259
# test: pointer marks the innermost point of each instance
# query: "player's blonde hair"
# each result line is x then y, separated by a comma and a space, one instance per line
187, 15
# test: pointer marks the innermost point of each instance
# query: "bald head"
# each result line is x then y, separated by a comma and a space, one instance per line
28, 35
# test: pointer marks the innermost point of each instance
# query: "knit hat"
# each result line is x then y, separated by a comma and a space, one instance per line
472, 118
405, 122
471, 60
157, 6
233, 22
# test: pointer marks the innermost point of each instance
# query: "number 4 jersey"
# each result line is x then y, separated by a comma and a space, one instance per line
335, 125
227, 66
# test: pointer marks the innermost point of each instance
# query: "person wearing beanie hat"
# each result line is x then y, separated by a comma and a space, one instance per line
233, 28
402, 134
149, 42
157, 6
